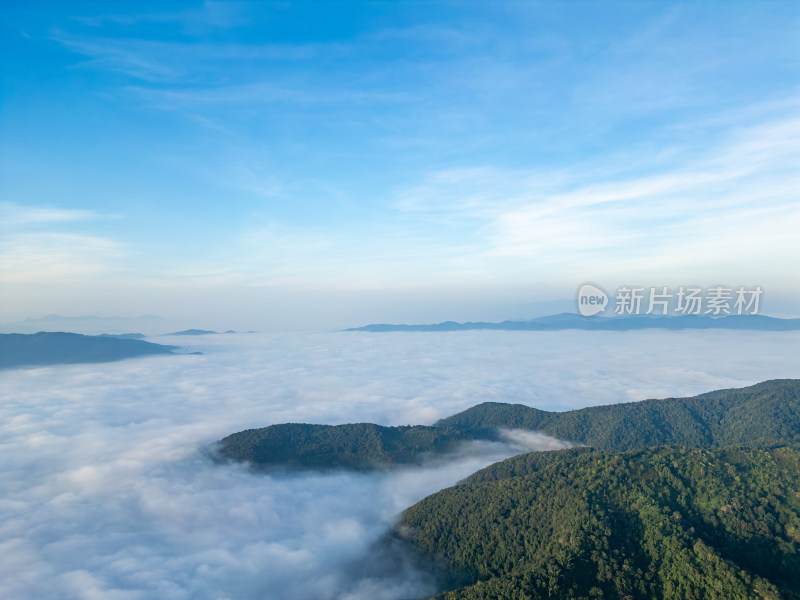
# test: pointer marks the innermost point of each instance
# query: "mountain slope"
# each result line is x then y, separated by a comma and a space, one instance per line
758, 415
670, 522
764, 414
50, 348
359, 446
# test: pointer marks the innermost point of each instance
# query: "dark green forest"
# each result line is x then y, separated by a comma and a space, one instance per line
686, 498
764, 414
357, 446
761, 414
671, 522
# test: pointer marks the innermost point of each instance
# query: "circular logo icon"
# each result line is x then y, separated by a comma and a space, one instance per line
591, 300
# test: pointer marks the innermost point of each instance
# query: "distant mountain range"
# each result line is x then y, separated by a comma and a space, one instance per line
51, 348
150, 325
193, 332
125, 336
627, 323
68, 319
201, 332
87, 324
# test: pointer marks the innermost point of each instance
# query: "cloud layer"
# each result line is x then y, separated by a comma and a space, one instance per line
107, 491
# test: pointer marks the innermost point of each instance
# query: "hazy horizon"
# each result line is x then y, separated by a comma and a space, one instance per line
156, 325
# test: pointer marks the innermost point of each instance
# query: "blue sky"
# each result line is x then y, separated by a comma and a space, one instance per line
274, 165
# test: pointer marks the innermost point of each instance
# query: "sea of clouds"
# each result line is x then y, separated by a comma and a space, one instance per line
107, 491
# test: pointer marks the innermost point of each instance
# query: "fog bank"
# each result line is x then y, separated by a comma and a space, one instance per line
106, 492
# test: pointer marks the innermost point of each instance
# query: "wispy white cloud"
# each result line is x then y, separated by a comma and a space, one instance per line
210, 15
56, 257
262, 93
126, 57
44, 244
174, 63
728, 212
686, 216
485, 191
13, 216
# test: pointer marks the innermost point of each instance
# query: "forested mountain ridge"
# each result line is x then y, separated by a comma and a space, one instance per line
668, 522
359, 446
761, 414
687, 498
764, 414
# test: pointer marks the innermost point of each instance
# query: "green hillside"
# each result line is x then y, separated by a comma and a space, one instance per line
759, 416
358, 446
679, 523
